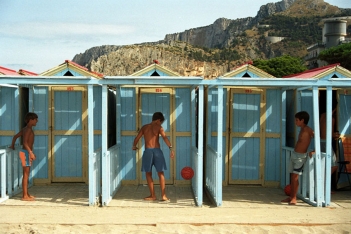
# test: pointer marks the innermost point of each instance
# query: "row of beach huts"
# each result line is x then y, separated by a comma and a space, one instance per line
236, 129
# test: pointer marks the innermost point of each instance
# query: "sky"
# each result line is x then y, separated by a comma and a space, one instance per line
38, 35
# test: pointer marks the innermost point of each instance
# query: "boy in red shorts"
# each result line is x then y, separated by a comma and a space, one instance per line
26, 154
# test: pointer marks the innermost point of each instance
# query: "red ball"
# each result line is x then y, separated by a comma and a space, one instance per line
187, 173
287, 190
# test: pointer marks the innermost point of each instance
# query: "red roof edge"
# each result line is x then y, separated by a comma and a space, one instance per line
25, 72
84, 68
313, 70
7, 69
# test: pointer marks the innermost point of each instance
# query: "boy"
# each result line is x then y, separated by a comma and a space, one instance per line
299, 156
153, 156
335, 135
26, 154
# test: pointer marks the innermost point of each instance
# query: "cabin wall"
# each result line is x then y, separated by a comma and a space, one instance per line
9, 114
273, 131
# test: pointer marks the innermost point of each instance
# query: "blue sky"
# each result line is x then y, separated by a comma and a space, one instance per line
38, 35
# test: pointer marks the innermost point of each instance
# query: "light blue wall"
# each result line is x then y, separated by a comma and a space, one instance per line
273, 125
40, 166
9, 113
183, 124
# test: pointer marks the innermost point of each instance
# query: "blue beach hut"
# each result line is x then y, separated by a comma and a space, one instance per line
61, 133
158, 89
252, 143
302, 99
245, 133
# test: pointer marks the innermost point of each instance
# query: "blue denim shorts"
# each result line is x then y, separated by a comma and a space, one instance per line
153, 157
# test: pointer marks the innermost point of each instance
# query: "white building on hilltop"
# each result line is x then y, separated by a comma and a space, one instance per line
334, 32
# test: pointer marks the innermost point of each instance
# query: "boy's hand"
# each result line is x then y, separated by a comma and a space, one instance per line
134, 148
12, 147
172, 154
311, 153
31, 156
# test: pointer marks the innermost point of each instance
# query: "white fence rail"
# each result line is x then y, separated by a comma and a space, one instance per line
95, 178
214, 175
11, 173
312, 188
111, 162
196, 181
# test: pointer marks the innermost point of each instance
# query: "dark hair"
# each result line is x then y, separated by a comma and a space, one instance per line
158, 115
29, 116
303, 115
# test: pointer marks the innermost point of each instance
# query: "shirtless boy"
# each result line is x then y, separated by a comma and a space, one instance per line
335, 135
153, 155
299, 156
26, 154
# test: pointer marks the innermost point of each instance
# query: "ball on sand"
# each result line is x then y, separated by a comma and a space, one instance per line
187, 173
287, 190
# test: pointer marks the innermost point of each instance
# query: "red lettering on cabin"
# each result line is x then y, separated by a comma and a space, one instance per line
158, 90
248, 90
70, 88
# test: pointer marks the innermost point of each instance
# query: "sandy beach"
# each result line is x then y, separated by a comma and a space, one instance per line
27, 219
64, 209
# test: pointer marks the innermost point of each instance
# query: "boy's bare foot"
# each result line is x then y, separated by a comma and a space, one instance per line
164, 198
150, 198
27, 199
286, 200
31, 196
292, 202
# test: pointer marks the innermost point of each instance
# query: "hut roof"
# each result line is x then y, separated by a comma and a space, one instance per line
74, 67
321, 72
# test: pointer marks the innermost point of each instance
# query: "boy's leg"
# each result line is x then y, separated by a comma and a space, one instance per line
26, 196
161, 175
294, 187
150, 183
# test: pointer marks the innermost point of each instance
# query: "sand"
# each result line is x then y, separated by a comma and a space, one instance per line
31, 219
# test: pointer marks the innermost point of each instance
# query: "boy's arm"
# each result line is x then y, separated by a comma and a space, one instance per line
137, 138
14, 139
168, 143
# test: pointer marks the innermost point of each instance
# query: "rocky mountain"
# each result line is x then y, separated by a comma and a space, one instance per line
285, 27
221, 33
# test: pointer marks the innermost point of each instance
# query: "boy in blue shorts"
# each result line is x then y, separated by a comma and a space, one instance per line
299, 156
26, 154
153, 155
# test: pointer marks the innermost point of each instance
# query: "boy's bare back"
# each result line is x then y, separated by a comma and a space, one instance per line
151, 134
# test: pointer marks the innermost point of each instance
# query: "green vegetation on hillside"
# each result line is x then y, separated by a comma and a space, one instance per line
305, 29
281, 66
338, 54
204, 54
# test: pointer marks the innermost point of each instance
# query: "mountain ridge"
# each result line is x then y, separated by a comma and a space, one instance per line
211, 51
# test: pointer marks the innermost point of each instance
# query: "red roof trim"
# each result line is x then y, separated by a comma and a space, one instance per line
25, 72
7, 71
84, 68
313, 70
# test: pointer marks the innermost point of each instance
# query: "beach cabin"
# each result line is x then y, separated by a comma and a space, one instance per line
302, 99
249, 133
158, 89
13, 107
251, 129
61, 135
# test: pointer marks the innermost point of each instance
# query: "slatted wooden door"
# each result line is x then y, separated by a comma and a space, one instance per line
68, 131
157, 100
245, 137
